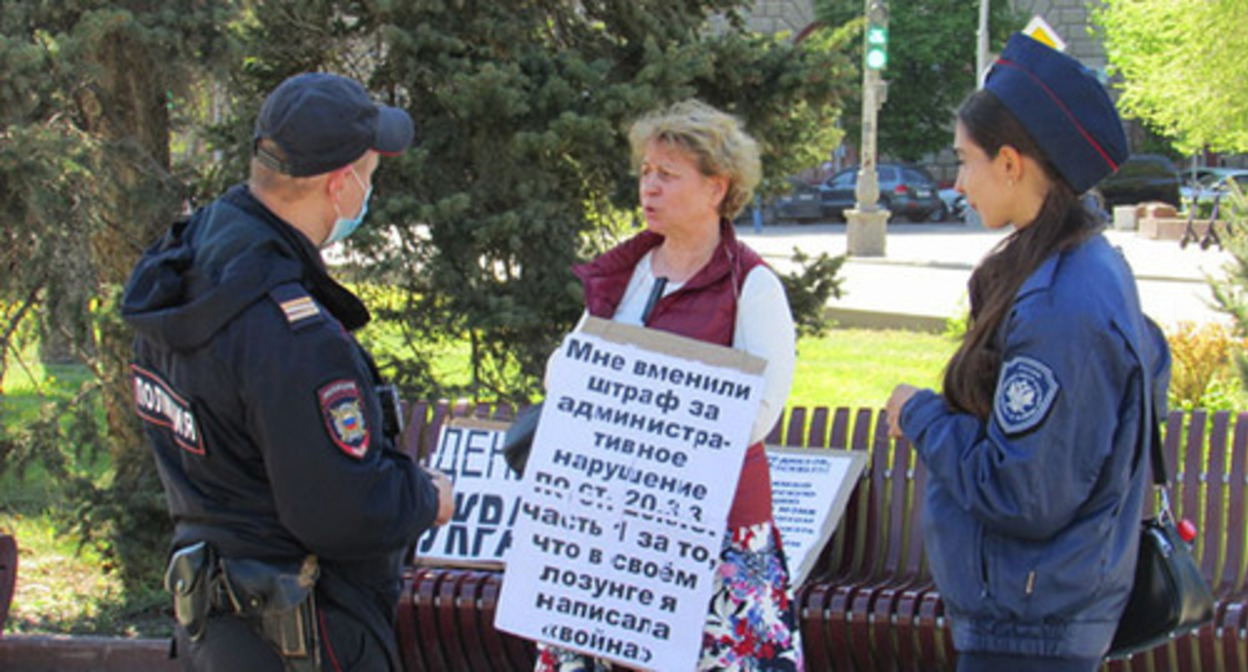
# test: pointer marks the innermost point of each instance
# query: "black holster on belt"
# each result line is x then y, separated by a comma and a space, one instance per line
189, 578
277, 599
281, 600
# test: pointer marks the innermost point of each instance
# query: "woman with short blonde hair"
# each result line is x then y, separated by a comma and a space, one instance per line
688, 274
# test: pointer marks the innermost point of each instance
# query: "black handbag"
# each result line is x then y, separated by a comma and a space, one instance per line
1170, 597
518, 440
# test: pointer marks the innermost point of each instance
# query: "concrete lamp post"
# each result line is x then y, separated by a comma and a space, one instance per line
867, 221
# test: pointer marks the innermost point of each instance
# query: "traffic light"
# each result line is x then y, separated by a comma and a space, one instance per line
876, 54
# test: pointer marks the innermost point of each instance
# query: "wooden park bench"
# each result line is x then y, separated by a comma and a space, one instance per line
8, 576
870, 603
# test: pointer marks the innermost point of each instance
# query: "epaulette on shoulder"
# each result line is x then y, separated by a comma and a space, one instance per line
297, 305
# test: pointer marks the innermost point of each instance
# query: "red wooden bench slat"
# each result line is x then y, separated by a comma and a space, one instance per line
1188, 475
833, 611
867, 647
834, 561
1177, 654
457, 640
872, 488
931, 644
812, 623
1235, 636
1233, 620
795, 428
1213, 537
405, 623
8, 576
1233, 572
417, 417
427, 616
868, 566
840, 429
424, 591
450, 643
1212, 540
893, 611
470, 624
817, 437
504, 412
429, 437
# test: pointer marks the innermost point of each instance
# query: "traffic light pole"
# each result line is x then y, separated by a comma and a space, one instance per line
867, 221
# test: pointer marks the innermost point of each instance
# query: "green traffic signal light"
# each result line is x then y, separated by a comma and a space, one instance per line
877, 47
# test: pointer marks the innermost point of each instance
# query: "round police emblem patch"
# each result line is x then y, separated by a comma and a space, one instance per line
1025, 394
344, 417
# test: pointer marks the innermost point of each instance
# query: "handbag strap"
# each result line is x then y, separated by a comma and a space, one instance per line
1161, 474
1157, 456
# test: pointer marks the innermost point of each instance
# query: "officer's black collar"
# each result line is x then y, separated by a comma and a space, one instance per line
339, 300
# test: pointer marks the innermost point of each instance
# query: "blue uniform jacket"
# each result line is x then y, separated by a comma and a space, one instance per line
1032, 519
261, 407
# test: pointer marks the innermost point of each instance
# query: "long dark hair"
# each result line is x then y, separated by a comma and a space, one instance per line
1062, 223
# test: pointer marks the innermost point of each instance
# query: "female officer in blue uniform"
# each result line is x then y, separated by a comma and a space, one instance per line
1037, 446
293, 507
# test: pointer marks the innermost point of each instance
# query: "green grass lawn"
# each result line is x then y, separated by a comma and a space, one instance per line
858, 367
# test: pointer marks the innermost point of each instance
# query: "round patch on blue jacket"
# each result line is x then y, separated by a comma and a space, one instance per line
1024, 395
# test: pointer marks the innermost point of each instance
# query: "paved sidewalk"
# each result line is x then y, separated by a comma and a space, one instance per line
921, 280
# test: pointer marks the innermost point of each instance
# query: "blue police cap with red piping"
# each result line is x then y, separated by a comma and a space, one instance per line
322, 122
1063, 107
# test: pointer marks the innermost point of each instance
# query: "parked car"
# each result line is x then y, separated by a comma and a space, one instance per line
955, 203
1210, 182
906, 190
1140, 179
801, 203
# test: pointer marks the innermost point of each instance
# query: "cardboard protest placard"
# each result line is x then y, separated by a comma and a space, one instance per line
626, 494
809, 490
487, 497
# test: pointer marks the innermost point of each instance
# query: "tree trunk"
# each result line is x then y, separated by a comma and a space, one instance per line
127, 110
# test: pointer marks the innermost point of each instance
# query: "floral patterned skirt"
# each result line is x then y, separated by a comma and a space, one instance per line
752, 624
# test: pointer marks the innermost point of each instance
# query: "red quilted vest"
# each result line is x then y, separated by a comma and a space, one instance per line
704, 308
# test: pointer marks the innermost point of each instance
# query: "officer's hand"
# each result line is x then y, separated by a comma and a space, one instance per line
446, 496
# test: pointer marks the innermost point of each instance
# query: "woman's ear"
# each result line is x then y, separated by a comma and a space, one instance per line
1011, 161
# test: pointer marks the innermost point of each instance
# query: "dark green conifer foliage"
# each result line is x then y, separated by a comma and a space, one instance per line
524, 169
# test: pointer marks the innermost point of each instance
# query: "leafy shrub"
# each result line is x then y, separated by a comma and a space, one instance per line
810, 288
1202, 375
957, 324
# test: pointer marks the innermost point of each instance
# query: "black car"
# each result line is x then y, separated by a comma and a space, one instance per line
801, 203
904, 190
1140, 179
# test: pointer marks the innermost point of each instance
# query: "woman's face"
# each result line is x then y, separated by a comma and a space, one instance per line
675, 196
983, 181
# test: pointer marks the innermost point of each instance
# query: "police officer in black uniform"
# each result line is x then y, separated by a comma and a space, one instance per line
273, 436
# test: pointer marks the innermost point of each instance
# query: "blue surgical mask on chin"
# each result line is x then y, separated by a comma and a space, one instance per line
345, 226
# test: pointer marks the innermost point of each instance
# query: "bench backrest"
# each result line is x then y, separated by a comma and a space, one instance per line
878, 533
8, 576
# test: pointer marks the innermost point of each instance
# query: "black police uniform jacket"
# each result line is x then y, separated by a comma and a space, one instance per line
262, 411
